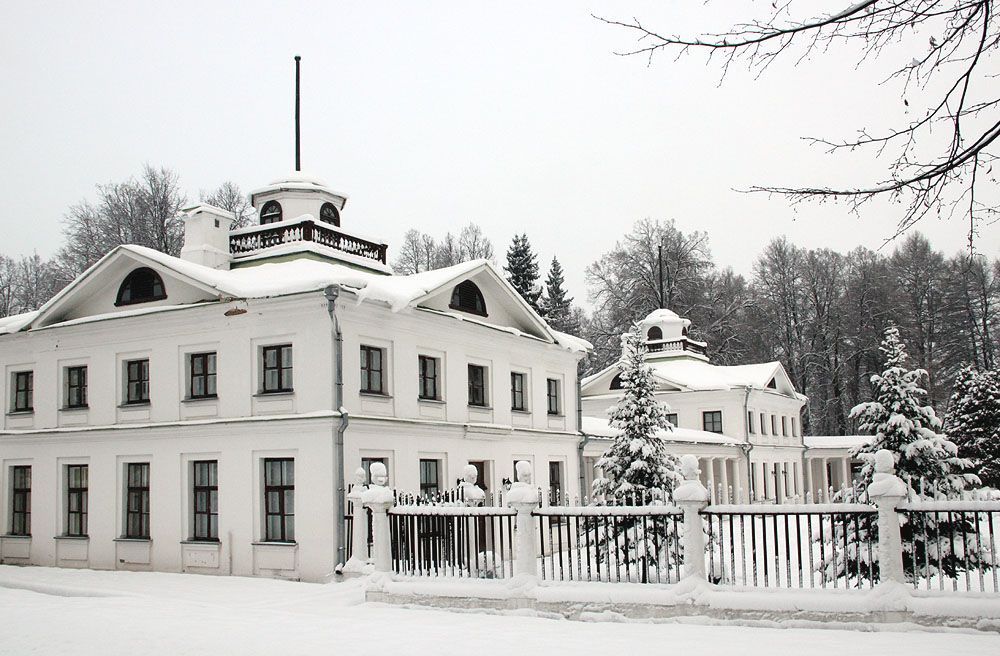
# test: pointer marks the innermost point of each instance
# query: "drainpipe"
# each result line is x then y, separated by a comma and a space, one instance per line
583, 440
332, 292
748, 447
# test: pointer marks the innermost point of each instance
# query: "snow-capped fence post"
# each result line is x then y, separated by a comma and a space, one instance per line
359, 525
691, 496
524, 499
379, 498
888, 490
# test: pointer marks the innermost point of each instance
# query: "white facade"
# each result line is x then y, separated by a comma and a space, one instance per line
271, 307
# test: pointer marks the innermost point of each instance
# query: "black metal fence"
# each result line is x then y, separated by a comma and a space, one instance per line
633, 544
951, 545
793, 546
452, 541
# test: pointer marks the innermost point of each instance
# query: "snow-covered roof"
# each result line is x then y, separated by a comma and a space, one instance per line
599, 427
16, 322
698, 375
297, 182
836, 441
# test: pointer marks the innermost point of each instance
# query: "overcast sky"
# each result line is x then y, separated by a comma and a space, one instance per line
517, 116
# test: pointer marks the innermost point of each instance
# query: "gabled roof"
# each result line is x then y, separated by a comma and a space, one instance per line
279, 279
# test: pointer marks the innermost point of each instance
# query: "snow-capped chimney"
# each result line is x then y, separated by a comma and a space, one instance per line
206, 236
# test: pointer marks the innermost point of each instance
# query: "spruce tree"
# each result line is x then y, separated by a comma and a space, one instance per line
522, 271
973, 421
900, 423
557, 307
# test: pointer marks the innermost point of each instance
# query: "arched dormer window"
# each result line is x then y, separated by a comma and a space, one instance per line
654, 333
141, 286
271, 212
684, 332
467, 298
328, 214
616, 382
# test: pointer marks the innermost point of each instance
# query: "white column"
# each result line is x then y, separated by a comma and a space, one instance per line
825, 479
809, 479
725, 481
758, 481
847, 472
711, 481
779, 481
797, 478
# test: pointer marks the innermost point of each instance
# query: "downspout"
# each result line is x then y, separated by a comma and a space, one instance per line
583, 439
748, 447
332, 292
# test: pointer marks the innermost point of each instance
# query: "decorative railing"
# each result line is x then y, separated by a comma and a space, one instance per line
305, 230
683, 344
452, 541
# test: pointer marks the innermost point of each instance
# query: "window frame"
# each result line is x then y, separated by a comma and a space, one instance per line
286, 518
76, 389
709, 417
426, 487
334, 216
368, 461
423, 377
23, 391
518, 397
750, 423
478, 389
209, 492
20, 500
464, 291
130, 280
774, 426
136, 526
272, 217
763, 424
209, 379
368, 373
141, 380
280, 367
673, 422
784, 426
80, 493
553, 402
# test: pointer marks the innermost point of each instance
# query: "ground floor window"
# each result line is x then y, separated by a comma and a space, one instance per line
137, 500
76, 500
205, 498
429, 477
279, 500
20, 500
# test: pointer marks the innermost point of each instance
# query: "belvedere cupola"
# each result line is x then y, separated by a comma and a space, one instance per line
666, 336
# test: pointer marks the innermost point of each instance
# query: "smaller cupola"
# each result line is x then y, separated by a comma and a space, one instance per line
666, 336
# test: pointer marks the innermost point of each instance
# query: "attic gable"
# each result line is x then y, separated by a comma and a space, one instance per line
121, 283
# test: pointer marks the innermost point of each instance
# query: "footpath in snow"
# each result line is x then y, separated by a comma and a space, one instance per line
59, 611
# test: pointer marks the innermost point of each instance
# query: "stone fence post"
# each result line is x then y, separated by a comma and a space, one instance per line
359, 522
379, 498
888, 490
691, 496
524, 499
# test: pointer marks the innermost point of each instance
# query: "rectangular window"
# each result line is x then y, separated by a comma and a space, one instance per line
784, 426
552, 396
372, 370
517, 391
76, 387
750, 426
205, 499
763, 425
429, 477
672, 419
137, 381
277, 369
137, 500
555, 483
429, 386
774, 425
20, 500
366, 464
279, 500
24, 383
203, 376
76, 500
795, 427
477, 385
712, 421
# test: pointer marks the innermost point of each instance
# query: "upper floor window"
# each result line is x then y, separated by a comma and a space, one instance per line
467, 298
517, 391
137, 500
276, 374
654, 333
784, 426
763, 425
20, 500
750, 426
24, 396
616, 382
271, 212
477, 385
795, 428
774, 425
552, 396
328, 214
76, 387
429, 378
372, 372
141, 286
712, 421
137, 381
202, 381
672, 419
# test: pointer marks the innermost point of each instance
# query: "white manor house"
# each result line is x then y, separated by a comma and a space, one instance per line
199, 413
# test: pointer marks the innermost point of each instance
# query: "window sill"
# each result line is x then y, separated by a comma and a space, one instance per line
21, 413
264, 395
431, 401
521, 411
11, 536
376, 395
555, 415
134, 404
203, 542
473, 406
200, 399
74, 408
132, 539
265, 543
71, 537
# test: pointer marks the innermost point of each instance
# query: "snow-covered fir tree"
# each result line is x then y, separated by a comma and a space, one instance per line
556, 306
973, 421
899, 421
522, 271
637, 466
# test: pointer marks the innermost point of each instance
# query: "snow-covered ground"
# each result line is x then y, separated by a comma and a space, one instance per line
57, 611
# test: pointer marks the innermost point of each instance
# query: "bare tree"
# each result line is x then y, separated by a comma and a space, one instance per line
228, 196
928, 174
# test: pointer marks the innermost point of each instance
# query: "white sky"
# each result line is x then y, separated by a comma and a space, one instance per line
514, 115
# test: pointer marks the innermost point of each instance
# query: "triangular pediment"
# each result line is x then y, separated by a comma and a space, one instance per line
95, 293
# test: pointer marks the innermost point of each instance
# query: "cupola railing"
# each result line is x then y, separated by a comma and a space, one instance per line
253, 241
